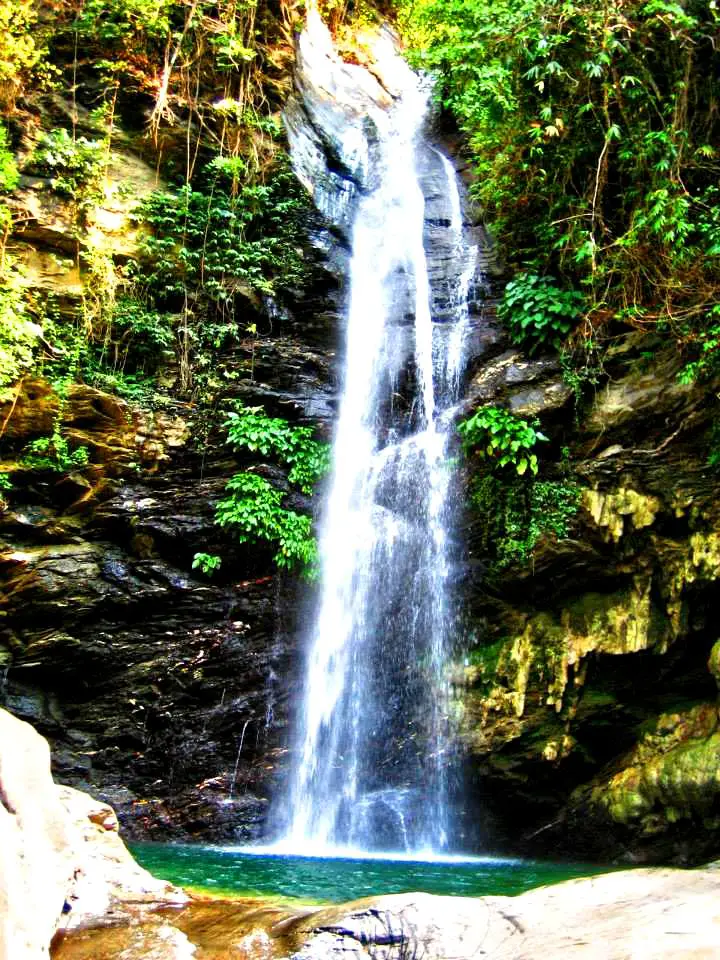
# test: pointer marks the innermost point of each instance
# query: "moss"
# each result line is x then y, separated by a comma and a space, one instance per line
485, 658
533, 682
714, 661
697, 560
620, 509
518, 512
673, 773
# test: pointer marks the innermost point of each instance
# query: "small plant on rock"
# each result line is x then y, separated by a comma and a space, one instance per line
75, 165
252, 429
503, 438
515, 515
208, 563
254, 507
54, 453
537, 312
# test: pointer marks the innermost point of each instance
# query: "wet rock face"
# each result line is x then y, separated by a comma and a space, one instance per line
589, 706
158, 689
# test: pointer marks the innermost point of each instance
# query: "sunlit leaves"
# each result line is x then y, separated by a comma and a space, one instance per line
255, 508
503, 438
593, 129
538, 312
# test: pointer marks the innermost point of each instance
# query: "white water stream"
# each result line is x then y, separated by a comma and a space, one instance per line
373, 749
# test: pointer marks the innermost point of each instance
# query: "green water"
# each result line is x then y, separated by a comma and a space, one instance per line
320, 880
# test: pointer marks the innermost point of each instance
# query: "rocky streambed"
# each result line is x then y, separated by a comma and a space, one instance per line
66, 877
639, 914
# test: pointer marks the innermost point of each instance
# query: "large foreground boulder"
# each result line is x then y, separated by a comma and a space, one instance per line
62, 861
645, 914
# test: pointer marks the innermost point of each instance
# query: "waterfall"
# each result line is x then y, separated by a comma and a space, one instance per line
373, 761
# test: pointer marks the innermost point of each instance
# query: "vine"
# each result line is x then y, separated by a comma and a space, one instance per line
517, 514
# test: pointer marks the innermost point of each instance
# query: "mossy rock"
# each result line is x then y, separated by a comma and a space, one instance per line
673, 774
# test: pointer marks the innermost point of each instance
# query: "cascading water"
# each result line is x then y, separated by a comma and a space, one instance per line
372, 765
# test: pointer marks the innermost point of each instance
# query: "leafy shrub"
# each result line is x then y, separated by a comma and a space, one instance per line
75, 165
5, 488
707, 346
9, 177
20, 47
9, 174
254, 508
592, 129
537, 312
18, 334
503, 438
110, 20
250, 428
207, 562
140, 330
215, 242
138, 388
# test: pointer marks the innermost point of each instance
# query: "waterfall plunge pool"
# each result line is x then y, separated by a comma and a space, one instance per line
244, 872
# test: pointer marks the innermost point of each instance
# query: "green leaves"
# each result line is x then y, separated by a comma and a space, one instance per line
252, 429
76, 165
612, 200
537, 312
505, 439
255, 507
9, 174
18, 333
207, 562
111, 20
517, 513
254, 510
54, 453
224, 238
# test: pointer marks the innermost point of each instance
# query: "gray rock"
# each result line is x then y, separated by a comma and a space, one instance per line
635, 913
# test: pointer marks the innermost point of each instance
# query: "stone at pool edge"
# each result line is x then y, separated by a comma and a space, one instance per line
62, 862
644, 914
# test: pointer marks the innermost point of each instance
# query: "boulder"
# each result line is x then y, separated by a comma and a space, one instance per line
62, 862
636, 913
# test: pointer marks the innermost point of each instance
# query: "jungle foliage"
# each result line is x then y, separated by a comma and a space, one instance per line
195, 88
516, 514
198, 87
593, 130
502, 438
513, 505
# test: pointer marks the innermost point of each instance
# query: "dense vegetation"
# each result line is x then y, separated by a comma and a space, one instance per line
593, 129
206, 81
196, 89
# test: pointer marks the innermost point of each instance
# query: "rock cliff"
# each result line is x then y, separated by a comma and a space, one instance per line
589, 705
